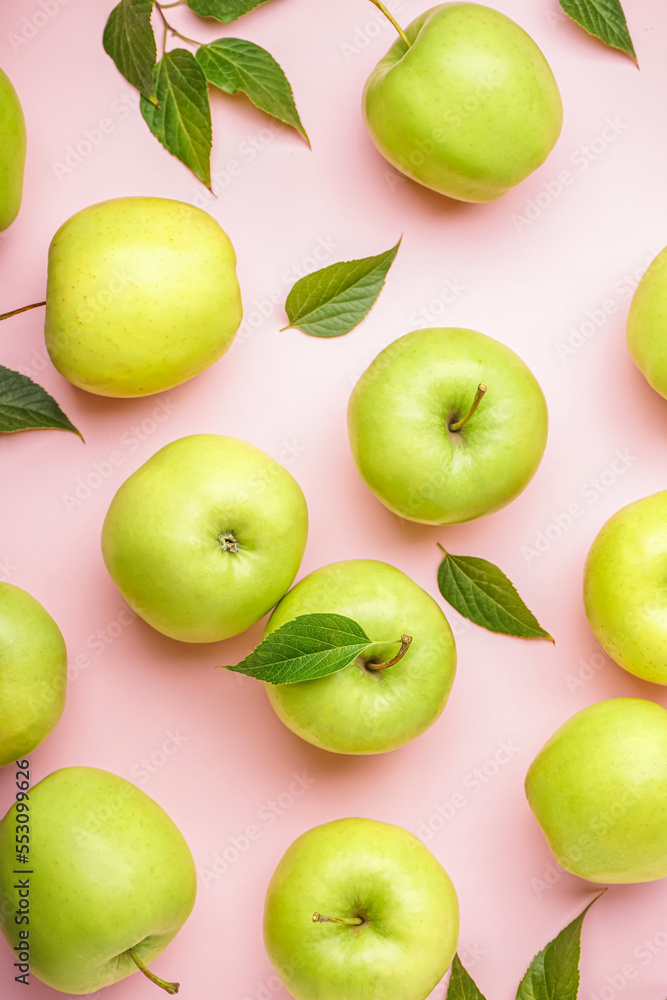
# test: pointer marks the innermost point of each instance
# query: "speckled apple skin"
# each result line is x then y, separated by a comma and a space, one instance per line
647, 325
141, 296
471, 109
358, 711
598, 789
399, 415
33, 673
12, 152
383, 873
111, 872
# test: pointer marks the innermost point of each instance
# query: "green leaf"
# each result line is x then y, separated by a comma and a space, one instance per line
461, 986
605, 20
305, 648
24, 406
554, 972
331, 302
182, 122
223, 10
481, 592
234, 65
129, 40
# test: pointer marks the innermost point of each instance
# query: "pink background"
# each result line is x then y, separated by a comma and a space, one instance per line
555, 287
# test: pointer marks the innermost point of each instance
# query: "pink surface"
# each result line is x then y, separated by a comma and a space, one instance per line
549, 270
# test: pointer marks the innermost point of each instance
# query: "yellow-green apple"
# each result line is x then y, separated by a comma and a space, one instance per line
33, 673
647, 321
205, 537
110, 877
12, 152
624, 591
598, 789
464, 103
447, 425
141, 296
379, 702
358, 908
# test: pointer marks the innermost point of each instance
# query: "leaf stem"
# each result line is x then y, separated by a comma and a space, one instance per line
168, 27
392, 19
405, 645
321, 918
479, 396
166, 6
15, 312
169, 987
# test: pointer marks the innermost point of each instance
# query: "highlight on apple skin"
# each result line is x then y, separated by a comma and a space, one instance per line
598, 789
469, 109
205, 537
113, 875
33, 673
141, 296
367, 708
359, 908
447, 425
624, 595
646, 325
12, 152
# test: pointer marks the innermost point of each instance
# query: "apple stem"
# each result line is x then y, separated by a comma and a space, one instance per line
479, 396
15, 312
169, 987
405, 645
321, 918
392, 19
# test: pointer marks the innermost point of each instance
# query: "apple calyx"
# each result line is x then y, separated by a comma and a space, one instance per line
15, 312
479, 396
405, 645
228, 542
169, 987
392, 20
322, 918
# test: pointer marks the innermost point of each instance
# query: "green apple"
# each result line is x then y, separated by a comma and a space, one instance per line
624, 593
358, 908
447, 425
598, 789
367, 707
33, 673
141, 296
205, 537
12, 152
109, 872
647, 322
464, 103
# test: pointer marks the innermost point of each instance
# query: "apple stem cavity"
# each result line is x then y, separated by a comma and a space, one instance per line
389, 16
479, 396
169, 987
15, 312
405, 645
227, 542
322, 918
